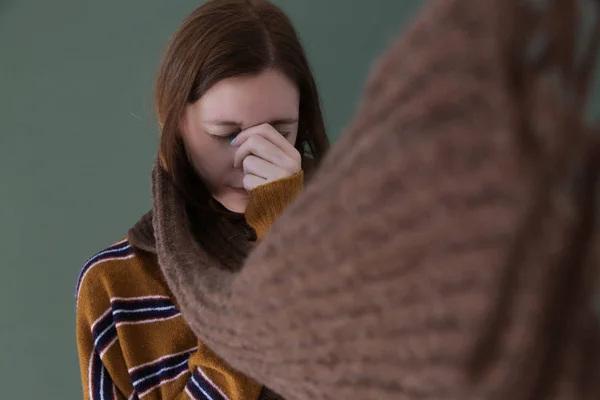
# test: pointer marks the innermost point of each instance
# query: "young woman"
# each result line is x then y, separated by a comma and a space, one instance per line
240, 125
447, 247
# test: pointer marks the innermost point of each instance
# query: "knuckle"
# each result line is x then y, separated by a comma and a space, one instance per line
287, 164
297, 156
295, 163
247, 182
293, 168
282, 175
253, 141
247, 162
238, 161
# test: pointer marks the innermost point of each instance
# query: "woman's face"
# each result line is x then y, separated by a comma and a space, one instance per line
230, 106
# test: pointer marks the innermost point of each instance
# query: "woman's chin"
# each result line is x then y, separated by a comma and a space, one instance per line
235, 202
240, 191
238, 208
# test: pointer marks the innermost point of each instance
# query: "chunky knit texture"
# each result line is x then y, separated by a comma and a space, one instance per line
414, 237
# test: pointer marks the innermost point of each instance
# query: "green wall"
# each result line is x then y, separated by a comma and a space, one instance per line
78, 138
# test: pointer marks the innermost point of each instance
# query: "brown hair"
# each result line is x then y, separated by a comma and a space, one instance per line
225, 38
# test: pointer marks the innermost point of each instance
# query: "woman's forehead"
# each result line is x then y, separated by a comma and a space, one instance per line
250, 100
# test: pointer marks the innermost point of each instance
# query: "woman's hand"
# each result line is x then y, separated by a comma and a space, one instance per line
265, 155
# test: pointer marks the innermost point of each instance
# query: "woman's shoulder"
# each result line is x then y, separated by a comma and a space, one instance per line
105, 263
119, 271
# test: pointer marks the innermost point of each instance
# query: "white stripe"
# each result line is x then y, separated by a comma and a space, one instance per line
212, 383
99, 319
101, 383
132, 395
104, 314
144, 309
102, 334
163, 382
108, 346
160, 371
96, 263
110, 249
113, 299
199, 387
147, 321
189, 393
90, 385
132, 370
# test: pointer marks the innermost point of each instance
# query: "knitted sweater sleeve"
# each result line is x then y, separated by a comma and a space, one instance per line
268, 201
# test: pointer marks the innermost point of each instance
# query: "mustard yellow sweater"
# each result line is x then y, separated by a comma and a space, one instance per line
132, 340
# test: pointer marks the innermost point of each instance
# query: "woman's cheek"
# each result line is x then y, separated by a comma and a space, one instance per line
214, 165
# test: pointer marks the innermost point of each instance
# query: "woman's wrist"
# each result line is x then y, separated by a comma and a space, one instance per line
268, 201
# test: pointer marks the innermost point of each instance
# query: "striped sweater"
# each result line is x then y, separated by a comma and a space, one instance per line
132, 340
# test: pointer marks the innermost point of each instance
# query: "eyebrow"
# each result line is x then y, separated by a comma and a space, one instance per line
283, 121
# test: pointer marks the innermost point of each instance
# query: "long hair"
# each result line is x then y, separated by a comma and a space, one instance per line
222, 39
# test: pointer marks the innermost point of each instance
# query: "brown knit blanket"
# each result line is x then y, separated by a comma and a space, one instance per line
444, 248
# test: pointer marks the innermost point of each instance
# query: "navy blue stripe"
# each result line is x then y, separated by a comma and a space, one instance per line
140, 316
106, 339
130, 305
105, 330
155, 368
117, 250
107, 385
167, 372
102, 335
101, 325
102, 384
96, 376
196, 392
205, 385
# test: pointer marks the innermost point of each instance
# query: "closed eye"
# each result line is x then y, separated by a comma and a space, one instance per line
228, 137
